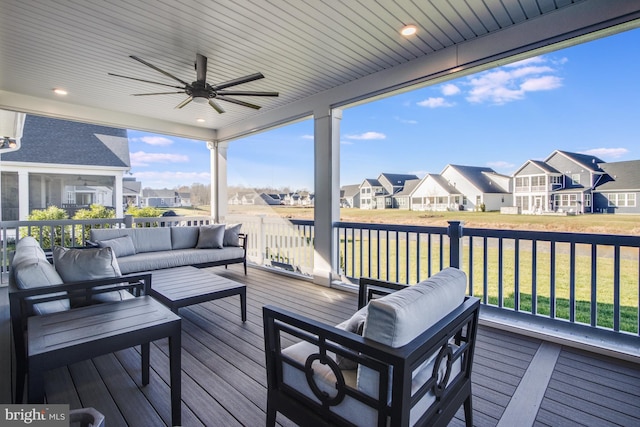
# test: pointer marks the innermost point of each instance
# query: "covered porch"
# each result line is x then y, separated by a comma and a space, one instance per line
517, 379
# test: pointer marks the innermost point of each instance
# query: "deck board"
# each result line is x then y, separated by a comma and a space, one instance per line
224, 379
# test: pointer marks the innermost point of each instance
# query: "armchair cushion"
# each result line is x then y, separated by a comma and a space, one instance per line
40, 273
81, 265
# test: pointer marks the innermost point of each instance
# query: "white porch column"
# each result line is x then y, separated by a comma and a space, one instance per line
327, 190
23, 195
118, 197
219, 199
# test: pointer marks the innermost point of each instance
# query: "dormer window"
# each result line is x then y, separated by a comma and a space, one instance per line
575, 179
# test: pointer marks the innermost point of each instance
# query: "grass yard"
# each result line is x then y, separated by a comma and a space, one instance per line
374, 262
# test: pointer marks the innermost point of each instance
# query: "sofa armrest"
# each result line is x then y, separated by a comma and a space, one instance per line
369, 287
243, 241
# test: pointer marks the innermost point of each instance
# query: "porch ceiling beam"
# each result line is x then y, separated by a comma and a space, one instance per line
69, 111
580, 23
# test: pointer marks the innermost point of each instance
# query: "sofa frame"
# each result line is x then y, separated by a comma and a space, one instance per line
397, 364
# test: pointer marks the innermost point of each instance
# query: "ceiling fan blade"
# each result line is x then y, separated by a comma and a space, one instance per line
246, 93
185, 102
238, 81
237, 101
145, 81
201, 68
157, 93
216, 106
142, 61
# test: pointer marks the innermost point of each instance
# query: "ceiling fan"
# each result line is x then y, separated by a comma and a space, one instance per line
202, 92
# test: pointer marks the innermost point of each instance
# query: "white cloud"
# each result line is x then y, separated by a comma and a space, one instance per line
450, 89
435, 103
512, 82
141, 158
345, 142
171, 179
406, 121
607, 153
367, 135
156, 140
499, 164
307, 136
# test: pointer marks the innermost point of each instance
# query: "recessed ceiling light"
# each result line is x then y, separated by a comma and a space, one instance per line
200, 120
408, 30
60, 91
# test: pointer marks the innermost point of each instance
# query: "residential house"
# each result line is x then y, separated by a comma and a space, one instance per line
481, 188
184, 199
160, 198
618, 191
563, 182
350, 196
402, 199
392, 183
268, 199
67, 164
435, 193
379, 193
131, 192
369, 189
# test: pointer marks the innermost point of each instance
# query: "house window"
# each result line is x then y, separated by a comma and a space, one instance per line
464, 200
621, 199
71, 197
555, 180
522, 183
587, 199
567, 200
575, 179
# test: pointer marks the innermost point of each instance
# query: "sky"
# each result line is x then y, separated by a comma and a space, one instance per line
583, 99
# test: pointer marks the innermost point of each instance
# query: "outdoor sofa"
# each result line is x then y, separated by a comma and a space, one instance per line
402, 359
154, 248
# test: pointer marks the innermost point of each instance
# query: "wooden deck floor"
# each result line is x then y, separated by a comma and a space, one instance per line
223, 381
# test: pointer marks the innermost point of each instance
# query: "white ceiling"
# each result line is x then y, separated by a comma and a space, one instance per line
317, 53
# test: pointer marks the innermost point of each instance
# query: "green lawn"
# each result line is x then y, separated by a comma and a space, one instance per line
370, 265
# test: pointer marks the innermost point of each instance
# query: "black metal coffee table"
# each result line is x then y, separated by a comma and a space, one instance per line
184, 286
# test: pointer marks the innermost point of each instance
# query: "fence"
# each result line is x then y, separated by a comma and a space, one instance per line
589, 279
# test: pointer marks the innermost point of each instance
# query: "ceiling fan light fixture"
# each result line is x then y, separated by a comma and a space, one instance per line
59, 91
200, 100
408, 30
200, 120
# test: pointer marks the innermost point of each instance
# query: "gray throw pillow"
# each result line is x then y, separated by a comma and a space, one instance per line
232, 235
122, 246
355, 325
76, 265
211, 236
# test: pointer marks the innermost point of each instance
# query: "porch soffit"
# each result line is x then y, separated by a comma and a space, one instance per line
317, 54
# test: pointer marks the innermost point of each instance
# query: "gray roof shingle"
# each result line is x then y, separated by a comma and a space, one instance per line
479, 177
620, 176
53, 141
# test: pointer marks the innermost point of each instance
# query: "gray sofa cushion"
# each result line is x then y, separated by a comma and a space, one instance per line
28, 248
39, 273
184, 237
211, 236
122, 246
232, 235
176, 258
144, 239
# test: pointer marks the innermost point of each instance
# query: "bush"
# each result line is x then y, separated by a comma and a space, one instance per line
146, 212
95, 211
44, 234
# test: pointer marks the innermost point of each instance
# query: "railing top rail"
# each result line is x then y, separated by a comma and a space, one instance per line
61, 222
556, 236
392, 227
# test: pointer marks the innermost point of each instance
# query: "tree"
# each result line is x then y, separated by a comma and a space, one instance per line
51, 235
